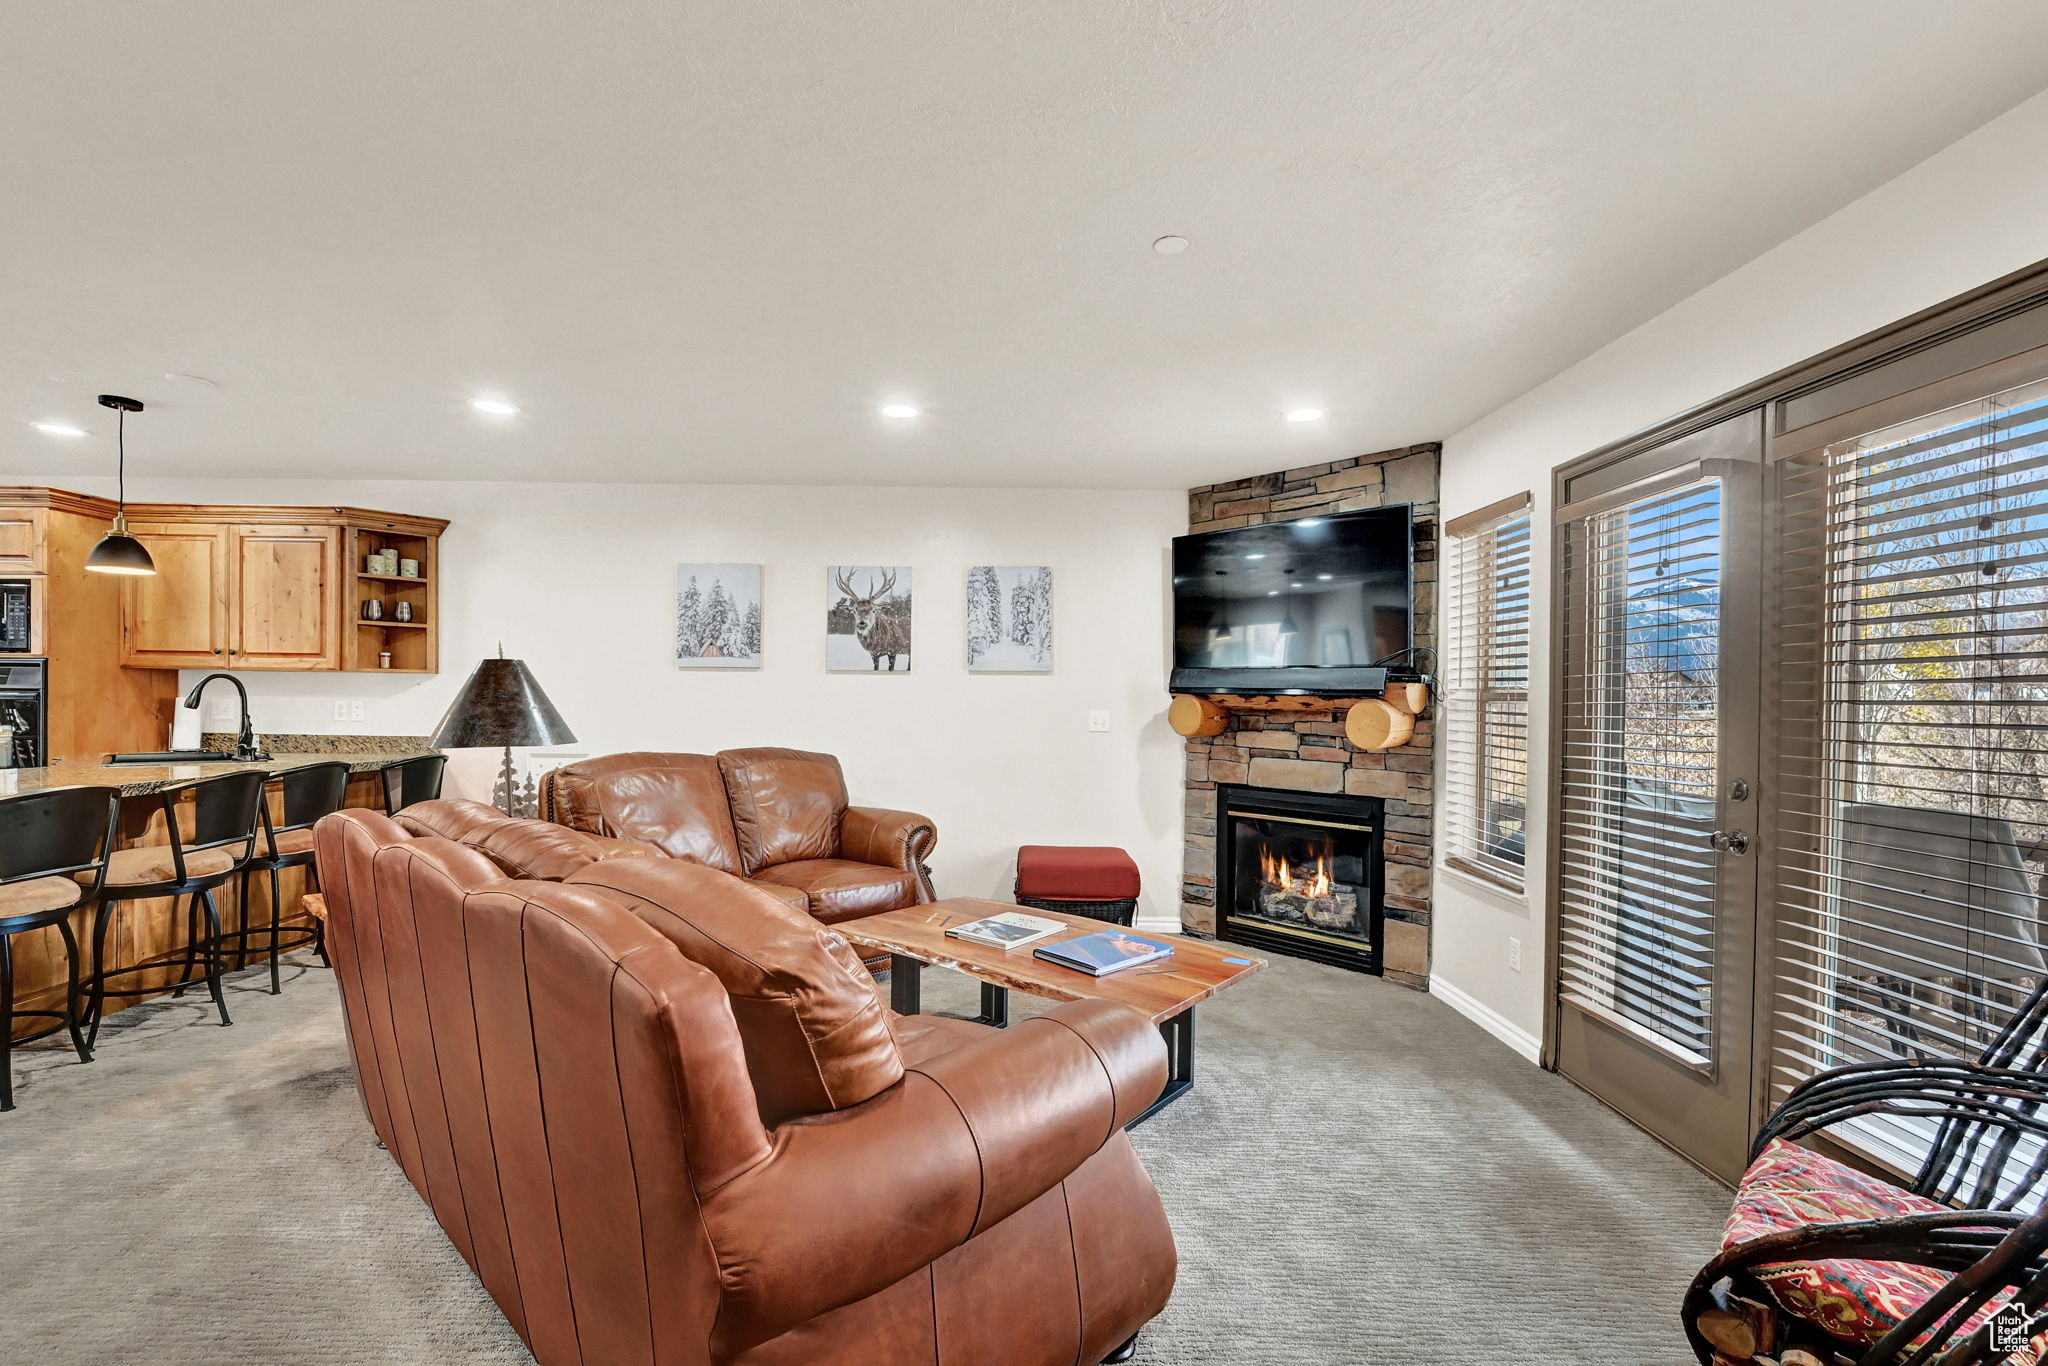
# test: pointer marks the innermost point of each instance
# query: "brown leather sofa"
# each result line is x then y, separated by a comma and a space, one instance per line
667, 1119
776, 817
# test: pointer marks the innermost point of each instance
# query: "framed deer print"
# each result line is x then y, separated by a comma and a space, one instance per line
867, 619
1009, 619
718, 616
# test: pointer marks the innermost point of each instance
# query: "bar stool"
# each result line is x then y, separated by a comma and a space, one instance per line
53, 860
306, 794
412, 780
223, 838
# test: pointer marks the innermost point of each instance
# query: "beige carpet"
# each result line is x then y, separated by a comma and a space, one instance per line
1361, 1176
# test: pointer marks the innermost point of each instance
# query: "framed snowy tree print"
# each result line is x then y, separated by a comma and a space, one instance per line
1009, 619
718, 616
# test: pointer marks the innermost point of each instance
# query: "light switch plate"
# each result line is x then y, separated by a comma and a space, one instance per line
1098, 721
340, 709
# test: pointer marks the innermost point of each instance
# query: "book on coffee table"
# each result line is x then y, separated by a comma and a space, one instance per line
1104, 953
1010, 930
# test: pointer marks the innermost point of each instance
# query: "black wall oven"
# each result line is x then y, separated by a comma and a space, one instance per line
25, 709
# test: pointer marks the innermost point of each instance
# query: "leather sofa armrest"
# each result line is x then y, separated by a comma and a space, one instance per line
892, 839
849, 1203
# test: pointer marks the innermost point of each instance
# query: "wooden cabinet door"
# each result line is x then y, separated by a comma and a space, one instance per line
21, 541
284, 598
177, 618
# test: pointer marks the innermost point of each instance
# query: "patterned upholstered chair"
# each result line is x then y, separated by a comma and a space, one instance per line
1823, 1264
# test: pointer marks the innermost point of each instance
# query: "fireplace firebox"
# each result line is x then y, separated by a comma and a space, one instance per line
1301, 873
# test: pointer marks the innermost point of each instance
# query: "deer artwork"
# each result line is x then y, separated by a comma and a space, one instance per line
879, 635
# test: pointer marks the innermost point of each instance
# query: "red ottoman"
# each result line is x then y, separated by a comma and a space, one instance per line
1095, 881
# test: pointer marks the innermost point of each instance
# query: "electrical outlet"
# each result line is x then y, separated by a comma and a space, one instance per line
355, 709
1515, 954
340, 709
1098, 721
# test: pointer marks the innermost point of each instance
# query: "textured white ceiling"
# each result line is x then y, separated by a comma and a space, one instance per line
702, 242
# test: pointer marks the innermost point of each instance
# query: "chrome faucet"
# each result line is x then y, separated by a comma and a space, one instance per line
245, 743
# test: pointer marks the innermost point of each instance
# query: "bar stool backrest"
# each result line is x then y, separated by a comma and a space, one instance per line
57, 833
412, 780
305, 795
224, 812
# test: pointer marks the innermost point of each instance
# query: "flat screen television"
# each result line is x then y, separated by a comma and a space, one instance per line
1320, 605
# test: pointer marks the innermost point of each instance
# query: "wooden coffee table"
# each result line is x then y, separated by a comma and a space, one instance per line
1165, 992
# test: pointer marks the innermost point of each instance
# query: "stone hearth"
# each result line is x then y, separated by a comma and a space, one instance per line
1307, 751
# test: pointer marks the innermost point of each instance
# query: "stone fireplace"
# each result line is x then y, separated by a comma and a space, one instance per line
1305, 752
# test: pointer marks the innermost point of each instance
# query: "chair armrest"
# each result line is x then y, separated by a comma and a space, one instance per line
851, 1202
892, 839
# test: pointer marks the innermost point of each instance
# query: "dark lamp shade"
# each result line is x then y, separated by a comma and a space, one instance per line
119, 553
501, 706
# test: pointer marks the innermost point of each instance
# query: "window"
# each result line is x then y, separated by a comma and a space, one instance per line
1915, 801
1486, 691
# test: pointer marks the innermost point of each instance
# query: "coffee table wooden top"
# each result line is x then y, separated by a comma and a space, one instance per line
1197, 970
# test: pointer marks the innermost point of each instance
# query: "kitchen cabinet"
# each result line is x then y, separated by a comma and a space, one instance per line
277, 588
177, 618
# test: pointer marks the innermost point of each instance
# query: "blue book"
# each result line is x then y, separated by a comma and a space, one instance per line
1104, 953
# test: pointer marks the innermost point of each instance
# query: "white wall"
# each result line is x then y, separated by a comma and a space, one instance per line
1960, 219
577, 580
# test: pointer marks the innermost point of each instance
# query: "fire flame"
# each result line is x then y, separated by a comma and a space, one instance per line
1302, 881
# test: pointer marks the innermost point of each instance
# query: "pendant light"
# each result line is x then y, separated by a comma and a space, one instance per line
118, 552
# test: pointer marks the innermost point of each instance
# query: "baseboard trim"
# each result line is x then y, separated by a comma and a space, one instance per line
1153, 924
1488, 1019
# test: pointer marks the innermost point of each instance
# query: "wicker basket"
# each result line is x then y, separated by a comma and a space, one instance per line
1111, 912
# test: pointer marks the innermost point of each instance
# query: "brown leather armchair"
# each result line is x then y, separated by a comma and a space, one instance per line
776, 817
666, 1118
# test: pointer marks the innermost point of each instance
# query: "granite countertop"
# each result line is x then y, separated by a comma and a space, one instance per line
136, 780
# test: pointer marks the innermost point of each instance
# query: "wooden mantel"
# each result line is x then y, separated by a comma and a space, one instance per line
1383, 722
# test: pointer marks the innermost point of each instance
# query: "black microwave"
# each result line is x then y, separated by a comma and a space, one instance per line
14, 616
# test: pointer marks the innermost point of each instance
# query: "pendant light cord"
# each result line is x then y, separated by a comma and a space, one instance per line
121, 459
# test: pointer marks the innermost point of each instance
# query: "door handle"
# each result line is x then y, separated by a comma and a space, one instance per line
1731, 841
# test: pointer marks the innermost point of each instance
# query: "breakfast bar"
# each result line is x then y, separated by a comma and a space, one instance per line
151, 931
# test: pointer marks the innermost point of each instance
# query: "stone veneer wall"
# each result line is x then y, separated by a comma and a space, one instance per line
1307, 751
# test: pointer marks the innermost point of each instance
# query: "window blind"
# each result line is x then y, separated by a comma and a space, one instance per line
1486, 694
1913, 782
1638, 757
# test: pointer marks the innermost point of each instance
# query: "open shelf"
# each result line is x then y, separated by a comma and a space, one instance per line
413, 646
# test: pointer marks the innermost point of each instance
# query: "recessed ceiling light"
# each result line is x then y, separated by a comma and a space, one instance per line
1255, 557
1323, 576
1272, 592
57, 429
1305, 415
1170, 246
1297, 584
496, 407
899, 410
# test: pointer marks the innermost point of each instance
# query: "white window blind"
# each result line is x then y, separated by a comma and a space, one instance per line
1639, 754
1914, 766
1486, 694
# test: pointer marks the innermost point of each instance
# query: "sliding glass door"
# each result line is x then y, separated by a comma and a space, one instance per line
1654, 885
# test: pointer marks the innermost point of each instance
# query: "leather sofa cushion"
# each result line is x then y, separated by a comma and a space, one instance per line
815, 1032
839, 889
790, 896
786, 804
449, 818
39, 894
675, 802
536, 849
